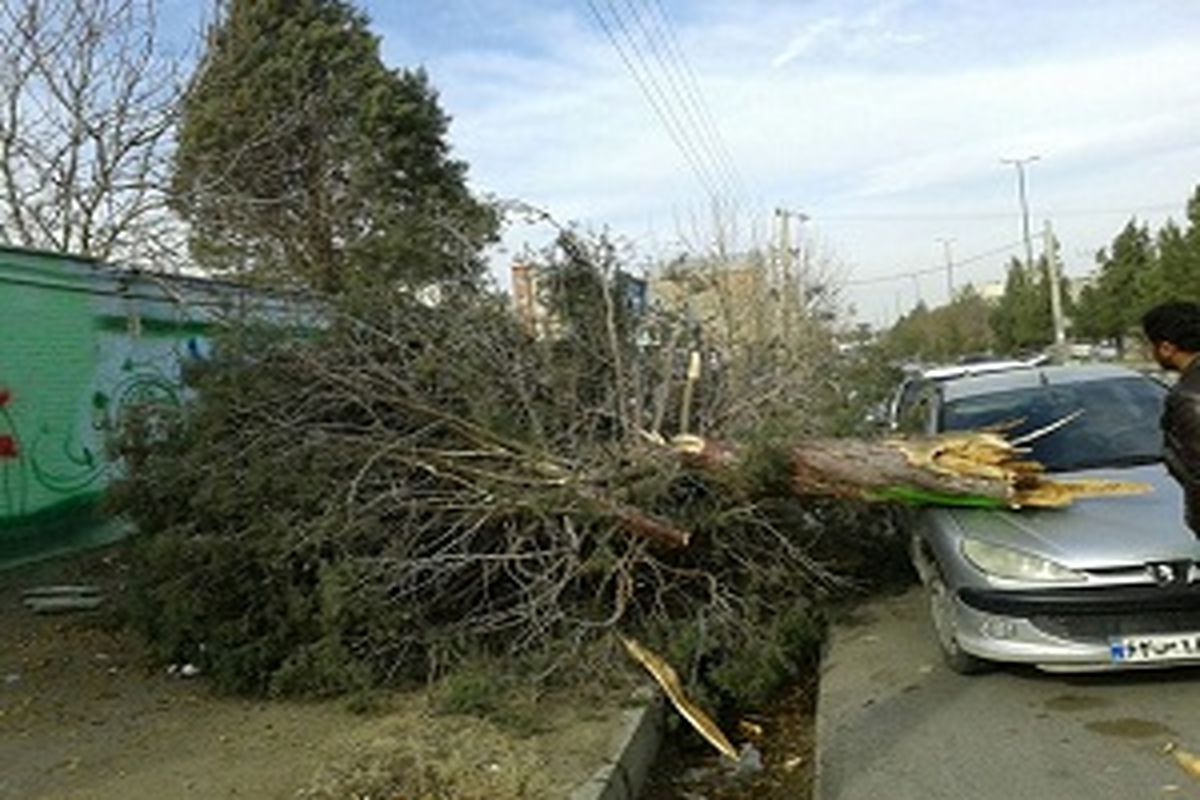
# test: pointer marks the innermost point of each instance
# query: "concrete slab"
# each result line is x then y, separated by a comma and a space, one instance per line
893, 722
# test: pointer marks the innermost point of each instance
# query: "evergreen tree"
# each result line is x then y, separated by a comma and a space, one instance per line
1022, 320
1128, 281
1179, 253
304, 161
1174, 273
943, 334
1178, 266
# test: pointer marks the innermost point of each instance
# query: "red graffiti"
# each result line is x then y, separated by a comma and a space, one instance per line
5, 396
8, 446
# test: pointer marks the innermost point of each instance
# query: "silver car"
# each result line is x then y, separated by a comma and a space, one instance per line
1108, 583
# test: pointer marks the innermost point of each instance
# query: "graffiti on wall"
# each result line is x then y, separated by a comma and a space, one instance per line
64, 461
14, 490
83, 348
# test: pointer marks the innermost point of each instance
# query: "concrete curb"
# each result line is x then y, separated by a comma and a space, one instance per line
821, 723
631, 757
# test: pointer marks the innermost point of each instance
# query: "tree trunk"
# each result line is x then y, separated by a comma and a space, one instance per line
975, 469
853, 468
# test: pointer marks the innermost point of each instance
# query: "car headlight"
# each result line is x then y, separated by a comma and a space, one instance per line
1007, 562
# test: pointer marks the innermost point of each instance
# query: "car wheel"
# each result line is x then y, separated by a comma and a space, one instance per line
945, 625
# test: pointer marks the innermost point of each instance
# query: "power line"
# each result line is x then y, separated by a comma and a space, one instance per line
661, 108
669, 94
693, 94
940, 216
917, 273
701, 142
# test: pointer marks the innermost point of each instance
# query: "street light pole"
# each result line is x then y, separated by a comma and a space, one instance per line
947, 241
1020, 163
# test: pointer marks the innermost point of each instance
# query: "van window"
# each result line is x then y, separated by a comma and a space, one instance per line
915, 417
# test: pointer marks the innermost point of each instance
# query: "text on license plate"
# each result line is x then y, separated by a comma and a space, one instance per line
1161, 647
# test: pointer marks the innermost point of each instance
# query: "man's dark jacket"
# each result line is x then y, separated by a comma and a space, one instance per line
1181, 439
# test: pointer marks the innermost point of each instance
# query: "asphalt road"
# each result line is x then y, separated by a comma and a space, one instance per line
893, 723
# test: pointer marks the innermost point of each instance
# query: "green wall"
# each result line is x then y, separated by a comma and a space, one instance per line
80, 343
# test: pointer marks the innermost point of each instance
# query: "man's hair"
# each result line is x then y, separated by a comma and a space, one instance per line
1177, 323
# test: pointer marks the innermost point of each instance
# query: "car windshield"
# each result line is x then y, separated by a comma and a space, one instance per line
1118, 426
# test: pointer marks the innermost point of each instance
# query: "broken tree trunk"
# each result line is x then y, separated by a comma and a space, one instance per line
855, 469
973, 469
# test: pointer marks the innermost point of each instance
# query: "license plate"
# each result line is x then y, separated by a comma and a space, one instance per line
1159, 647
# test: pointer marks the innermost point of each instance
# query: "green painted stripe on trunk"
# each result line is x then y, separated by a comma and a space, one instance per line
919, 497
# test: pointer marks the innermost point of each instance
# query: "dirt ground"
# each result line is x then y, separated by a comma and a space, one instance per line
82, 715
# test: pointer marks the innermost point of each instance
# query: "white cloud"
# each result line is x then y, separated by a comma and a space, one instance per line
854, 36
878, 130
809, 37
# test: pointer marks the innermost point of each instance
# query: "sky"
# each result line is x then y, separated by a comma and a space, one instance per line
884, 122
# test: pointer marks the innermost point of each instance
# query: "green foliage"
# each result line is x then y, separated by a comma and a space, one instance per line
589, 296
477, 689
943, 334
788, 647
1128, 279
415, 487
304, 161
726, 674
305, 528
1139, 270
1023, 321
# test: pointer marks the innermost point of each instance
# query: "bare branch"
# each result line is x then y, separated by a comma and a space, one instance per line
89, 109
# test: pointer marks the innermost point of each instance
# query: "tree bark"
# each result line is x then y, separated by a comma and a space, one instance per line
852, 468
956, 469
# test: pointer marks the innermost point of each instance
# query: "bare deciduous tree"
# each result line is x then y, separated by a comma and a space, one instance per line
87, 109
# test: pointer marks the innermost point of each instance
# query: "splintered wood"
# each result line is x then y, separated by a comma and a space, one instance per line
990, 457
668, 679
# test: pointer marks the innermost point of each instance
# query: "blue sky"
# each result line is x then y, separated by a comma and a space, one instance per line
883, 120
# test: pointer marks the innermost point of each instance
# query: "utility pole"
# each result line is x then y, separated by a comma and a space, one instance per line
947, 242
785, 272
796, 291
1020, 163
1050, 245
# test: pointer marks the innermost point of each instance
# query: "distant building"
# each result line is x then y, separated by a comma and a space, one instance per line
535, 318
733, 302
992, 292
1077, 285
540, 322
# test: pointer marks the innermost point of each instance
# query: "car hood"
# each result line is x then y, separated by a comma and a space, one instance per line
1099, 533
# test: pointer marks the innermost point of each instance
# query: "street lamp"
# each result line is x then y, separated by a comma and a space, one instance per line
947, 243
1020, 163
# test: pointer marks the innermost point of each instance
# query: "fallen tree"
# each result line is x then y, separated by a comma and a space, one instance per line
373, 502
419, 483
979, 469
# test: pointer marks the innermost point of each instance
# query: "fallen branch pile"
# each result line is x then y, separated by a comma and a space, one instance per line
375, 501
372, 503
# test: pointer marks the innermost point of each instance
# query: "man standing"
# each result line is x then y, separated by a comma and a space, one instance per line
1174, 333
